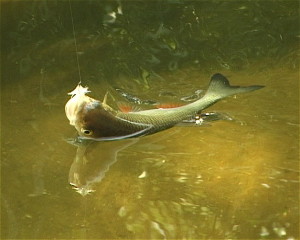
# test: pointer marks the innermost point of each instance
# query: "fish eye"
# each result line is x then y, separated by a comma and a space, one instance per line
86, 131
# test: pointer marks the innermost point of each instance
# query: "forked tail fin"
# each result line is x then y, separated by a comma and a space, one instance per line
220, 87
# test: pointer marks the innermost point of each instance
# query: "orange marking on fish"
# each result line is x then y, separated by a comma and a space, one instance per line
126, 108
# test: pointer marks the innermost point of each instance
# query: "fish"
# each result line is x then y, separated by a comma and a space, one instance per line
96, 120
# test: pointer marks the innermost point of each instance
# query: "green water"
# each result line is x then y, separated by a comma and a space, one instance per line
235, 179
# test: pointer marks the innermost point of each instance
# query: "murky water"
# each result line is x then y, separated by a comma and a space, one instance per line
235, 179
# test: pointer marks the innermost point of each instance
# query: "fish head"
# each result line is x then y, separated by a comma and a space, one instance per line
96, 120
90, 117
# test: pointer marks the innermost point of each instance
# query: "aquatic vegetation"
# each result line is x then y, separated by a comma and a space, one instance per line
162, 35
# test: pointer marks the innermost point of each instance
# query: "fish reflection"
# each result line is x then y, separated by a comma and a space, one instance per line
92, 161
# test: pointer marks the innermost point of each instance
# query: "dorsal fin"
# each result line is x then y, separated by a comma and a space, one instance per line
105, 98
104, 103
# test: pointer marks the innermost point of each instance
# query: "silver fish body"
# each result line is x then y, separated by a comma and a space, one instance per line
96, 120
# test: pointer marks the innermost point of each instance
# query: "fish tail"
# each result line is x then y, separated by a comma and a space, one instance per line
220, 88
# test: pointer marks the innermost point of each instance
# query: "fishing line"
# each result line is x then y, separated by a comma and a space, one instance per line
75, 42
78, 65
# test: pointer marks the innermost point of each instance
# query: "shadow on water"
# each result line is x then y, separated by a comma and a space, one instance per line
235, 179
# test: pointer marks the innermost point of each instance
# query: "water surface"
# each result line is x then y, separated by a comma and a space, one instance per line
229, 179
